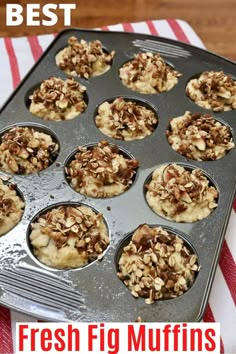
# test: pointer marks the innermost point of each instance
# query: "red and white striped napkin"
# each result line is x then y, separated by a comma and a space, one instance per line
17, 56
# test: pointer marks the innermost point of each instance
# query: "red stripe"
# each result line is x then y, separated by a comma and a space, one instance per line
13, 62
152, 28
179, 33
6, 343
228, 268
104, 28
209, 317
127, 27
35, 47
234, 204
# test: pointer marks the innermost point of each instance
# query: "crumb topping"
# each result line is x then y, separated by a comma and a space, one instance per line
58, 99
148, 73
180, 194
199, 136
101, 171
125, 120
157, 264
69, 236
213, 90
11, 207
84, 59
24, 150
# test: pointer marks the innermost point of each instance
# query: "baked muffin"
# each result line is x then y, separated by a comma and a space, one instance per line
148, 73
84, 59
11, 207
24, 150
181, 195
58, 99
157, 264
125, 120
69, 237
213, 90
199, 136
101, 171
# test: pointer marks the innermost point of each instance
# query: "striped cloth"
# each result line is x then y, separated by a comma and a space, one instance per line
17, 55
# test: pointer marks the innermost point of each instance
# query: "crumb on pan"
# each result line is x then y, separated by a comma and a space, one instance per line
84, 59
58, 99
148, 73
199, 136
69, 237
24, 150
157, 264
11, 207
101, 171
180, 194
213, 90
125, 120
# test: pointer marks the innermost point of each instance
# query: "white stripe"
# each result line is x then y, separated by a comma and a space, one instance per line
141, 27
6, 86
18, 317
45, 40
163, 29
23, 54
230, 234
192, 36
223, 309
116, 28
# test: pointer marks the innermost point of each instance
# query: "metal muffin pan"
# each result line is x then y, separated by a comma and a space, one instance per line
94, 292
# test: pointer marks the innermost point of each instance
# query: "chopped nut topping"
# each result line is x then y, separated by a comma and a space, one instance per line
139, 319
84, 59
125, 120
58, 99
101, 171
11, 207
213, 90
199, 136
181, 195
157, 264
69, 237
148, 73
24, 150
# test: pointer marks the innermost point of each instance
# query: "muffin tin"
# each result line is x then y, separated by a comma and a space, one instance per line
94, 292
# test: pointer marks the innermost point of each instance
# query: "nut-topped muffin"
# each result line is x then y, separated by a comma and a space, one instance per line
11, 207
181, 195
24, 150
157, 264
58, 99
101, 171
148, 73
69, 236
213, 90
84, 59
125, 120
199, 136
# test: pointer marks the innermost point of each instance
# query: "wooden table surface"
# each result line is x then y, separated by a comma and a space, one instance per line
213, 20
